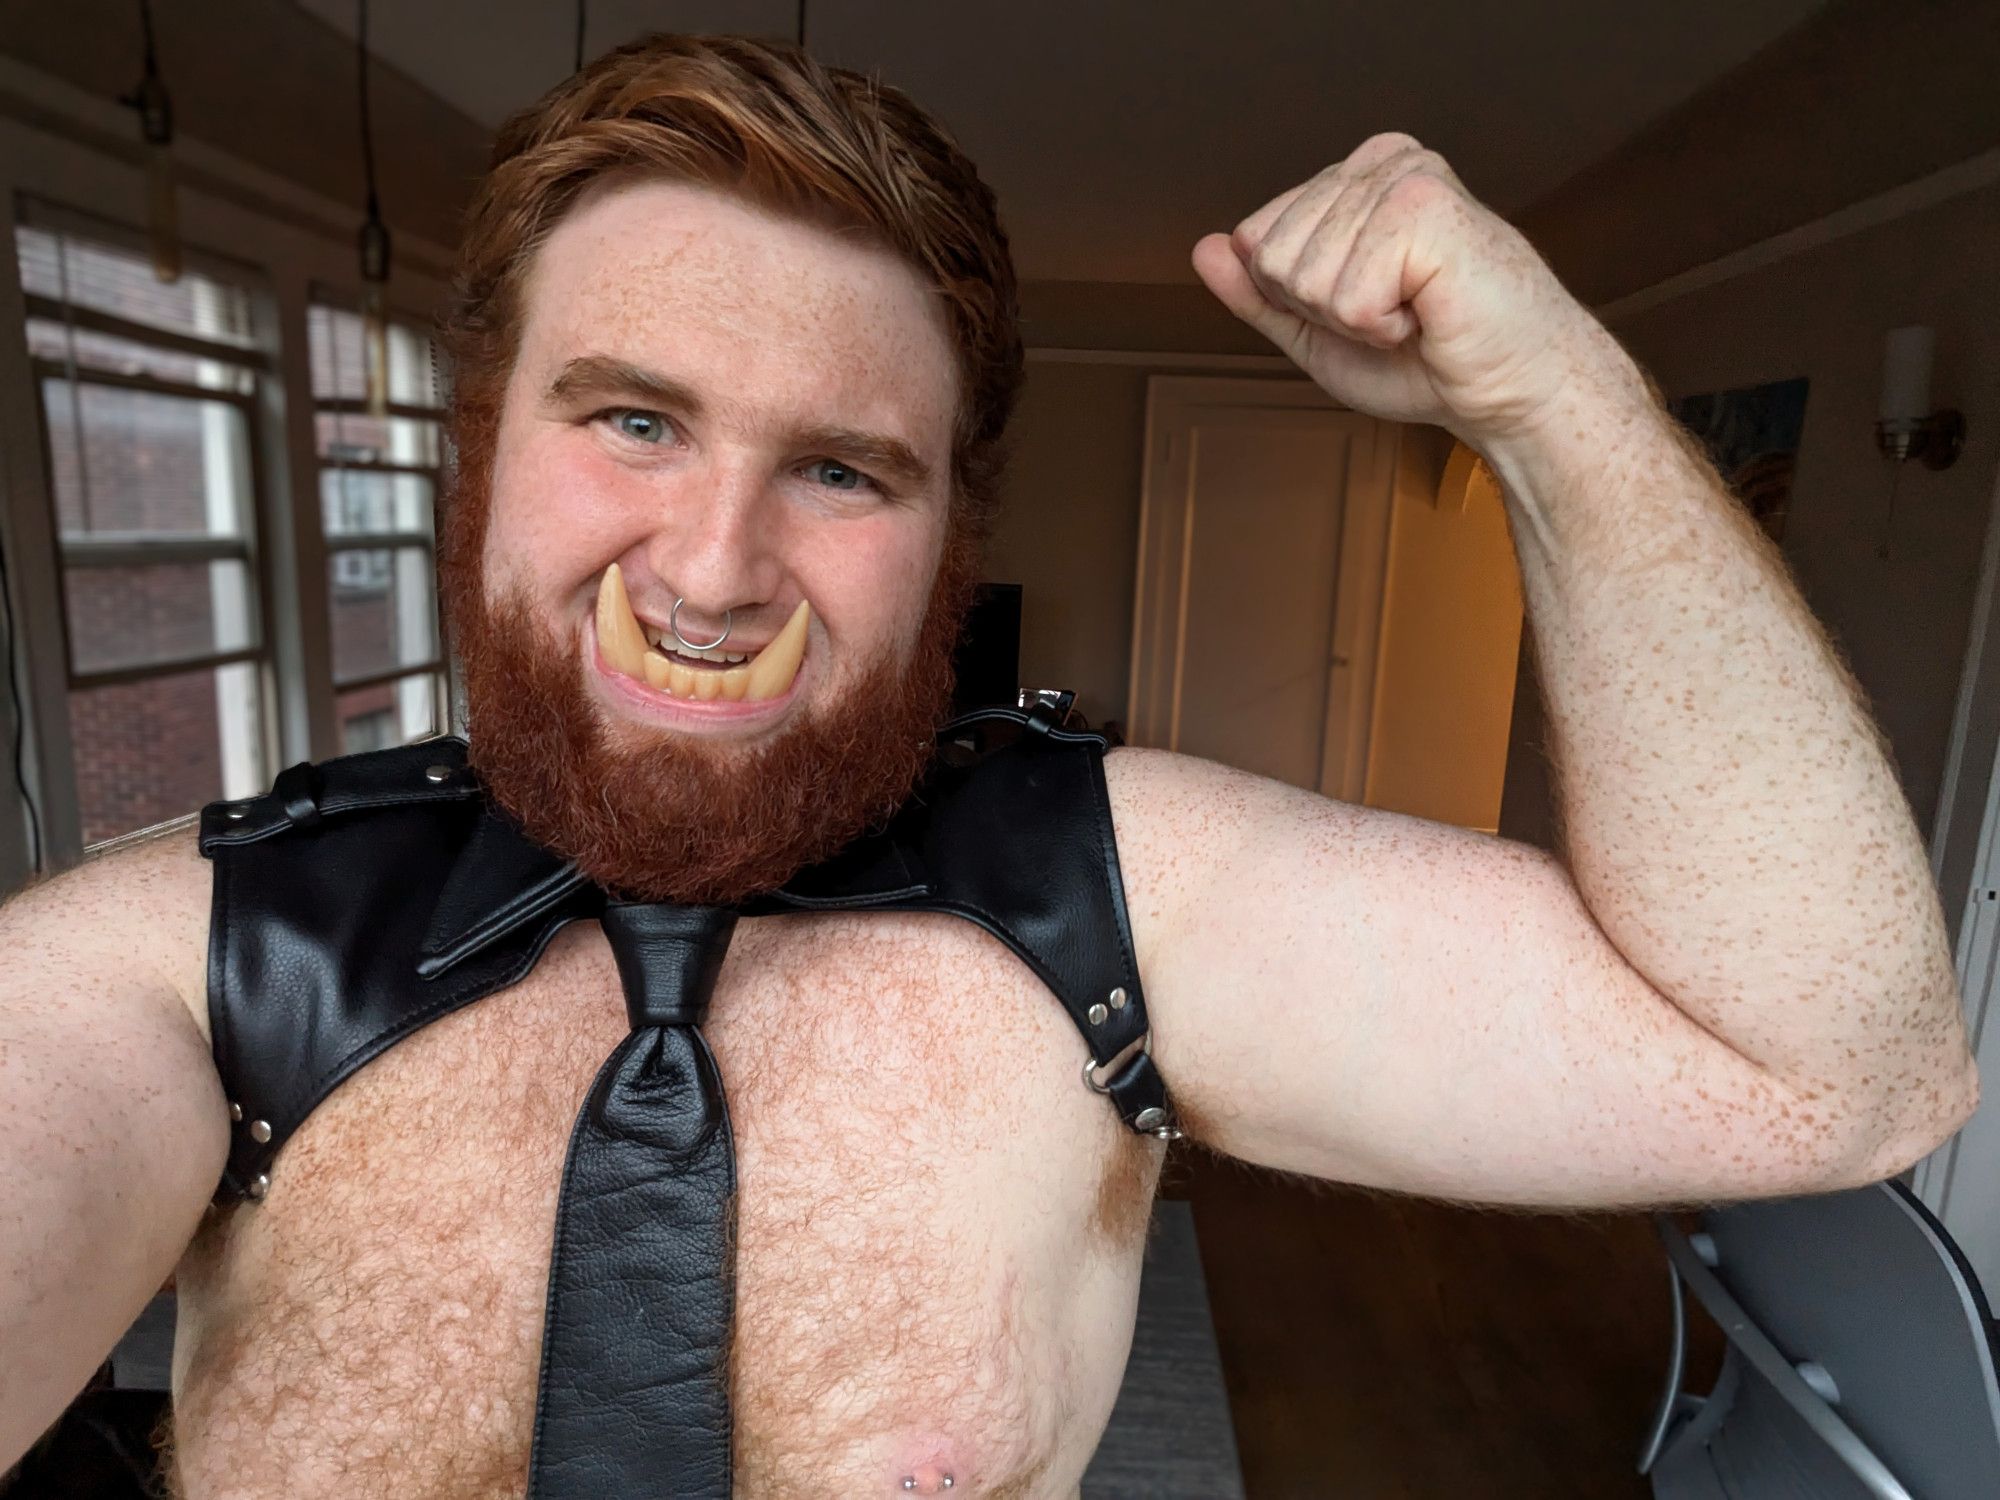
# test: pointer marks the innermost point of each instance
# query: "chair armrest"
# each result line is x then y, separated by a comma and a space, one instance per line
1769, 1361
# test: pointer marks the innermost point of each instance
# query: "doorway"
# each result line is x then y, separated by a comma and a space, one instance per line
1263, 542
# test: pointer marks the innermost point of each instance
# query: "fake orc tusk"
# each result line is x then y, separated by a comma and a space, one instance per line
623, 641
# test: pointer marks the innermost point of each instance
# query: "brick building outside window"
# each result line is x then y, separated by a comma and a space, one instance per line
150, 397
147, 395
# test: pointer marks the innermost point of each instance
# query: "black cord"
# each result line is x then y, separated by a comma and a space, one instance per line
579, 34
146, 21
367, 135
20, 721
802, 23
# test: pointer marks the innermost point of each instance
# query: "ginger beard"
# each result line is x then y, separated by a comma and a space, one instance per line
657, 816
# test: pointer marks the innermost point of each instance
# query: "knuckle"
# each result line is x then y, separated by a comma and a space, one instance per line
1269, 264
1351, 306
1417, 192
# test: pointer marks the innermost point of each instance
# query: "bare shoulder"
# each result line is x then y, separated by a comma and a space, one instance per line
144, 902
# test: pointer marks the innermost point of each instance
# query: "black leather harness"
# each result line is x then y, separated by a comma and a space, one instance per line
363, 898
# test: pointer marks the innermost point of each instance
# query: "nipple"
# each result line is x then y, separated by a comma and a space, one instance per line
928, 1479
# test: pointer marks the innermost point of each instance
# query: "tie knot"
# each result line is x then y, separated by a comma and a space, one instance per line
668, 958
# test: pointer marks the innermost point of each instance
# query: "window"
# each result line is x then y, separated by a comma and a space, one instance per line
378, 483
147, 395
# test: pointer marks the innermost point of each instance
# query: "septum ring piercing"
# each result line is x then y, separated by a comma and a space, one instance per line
674, 624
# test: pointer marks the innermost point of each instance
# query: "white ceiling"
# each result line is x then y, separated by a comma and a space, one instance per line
1117, 132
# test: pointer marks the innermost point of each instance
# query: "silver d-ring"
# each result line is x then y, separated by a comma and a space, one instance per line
674, 624
1092, 1067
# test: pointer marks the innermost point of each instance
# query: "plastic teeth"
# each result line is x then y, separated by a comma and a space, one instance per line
734, 675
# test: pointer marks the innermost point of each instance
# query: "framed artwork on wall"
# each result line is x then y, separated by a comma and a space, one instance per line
1752, 434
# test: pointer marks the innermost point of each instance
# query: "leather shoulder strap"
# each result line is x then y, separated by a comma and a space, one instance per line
1013, 831
327, 889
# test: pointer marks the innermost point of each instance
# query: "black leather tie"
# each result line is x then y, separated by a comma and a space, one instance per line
634, 1394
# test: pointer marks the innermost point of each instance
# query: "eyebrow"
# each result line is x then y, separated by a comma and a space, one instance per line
600, 375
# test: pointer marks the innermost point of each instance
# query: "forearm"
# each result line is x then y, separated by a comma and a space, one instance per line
1730, 815
1733, 824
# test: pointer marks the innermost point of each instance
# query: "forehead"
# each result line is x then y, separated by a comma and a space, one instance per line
772, 317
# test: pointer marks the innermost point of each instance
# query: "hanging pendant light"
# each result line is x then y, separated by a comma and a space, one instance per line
156, 128
374, 241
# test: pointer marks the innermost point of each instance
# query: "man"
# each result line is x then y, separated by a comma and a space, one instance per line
734, 351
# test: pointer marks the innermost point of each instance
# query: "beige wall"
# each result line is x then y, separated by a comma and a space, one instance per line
1865, 96
1451, 628
1068, 530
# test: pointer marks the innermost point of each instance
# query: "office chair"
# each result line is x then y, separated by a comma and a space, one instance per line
1860, 1362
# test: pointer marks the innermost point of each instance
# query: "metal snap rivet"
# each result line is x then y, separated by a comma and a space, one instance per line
438, 773
1098, 1015
259, 1185
1150, 1118
1118, 998
260, 1131
238, 814
235, 1110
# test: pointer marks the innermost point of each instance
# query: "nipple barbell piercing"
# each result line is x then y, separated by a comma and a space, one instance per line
910, 1482
674, 624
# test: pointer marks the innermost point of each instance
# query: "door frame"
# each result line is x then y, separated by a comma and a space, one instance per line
1968, 810
1161, 573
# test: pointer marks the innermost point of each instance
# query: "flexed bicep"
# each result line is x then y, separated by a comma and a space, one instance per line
1374, 998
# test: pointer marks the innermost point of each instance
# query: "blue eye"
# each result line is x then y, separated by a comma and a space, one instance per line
836, 475
641, 426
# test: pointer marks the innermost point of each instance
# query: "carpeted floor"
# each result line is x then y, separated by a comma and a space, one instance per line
1170, 1436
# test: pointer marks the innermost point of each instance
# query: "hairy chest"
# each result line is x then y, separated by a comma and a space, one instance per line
935, 1221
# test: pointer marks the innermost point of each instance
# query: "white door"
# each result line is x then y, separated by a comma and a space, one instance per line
1263, 537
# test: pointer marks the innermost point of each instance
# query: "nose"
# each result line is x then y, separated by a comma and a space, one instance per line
718, 545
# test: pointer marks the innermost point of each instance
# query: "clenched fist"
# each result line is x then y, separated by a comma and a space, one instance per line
1404, 297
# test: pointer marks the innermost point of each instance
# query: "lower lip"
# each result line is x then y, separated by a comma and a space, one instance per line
691, 713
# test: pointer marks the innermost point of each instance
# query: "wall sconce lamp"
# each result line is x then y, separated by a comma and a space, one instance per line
1909, 428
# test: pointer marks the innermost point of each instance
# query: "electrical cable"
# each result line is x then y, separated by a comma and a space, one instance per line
580, 22
367, 134
1889, 521
20, 720
146, 23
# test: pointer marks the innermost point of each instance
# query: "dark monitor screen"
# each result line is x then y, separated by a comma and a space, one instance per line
988, 661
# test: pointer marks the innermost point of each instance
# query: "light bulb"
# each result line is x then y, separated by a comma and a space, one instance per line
163, 232
374, 319
375, 350
156, 128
